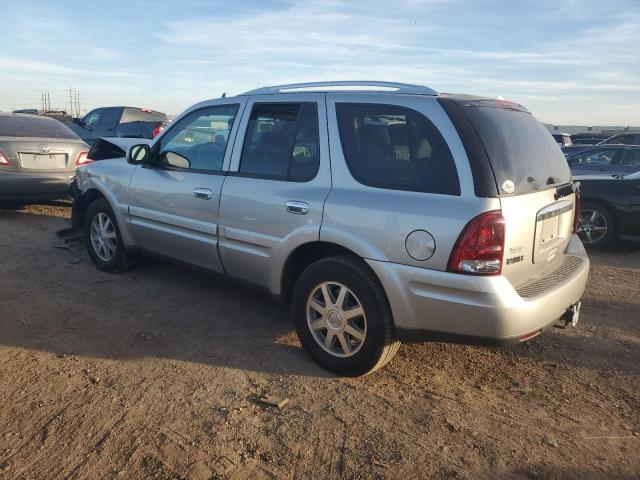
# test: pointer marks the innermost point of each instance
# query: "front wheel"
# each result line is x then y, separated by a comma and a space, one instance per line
102, 238
342, 317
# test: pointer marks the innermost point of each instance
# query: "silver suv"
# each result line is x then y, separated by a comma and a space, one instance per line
380, 212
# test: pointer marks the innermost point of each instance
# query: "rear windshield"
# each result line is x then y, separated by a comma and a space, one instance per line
34, 126
524, 157
142, 115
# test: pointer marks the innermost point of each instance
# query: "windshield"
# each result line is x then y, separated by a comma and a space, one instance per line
524, 157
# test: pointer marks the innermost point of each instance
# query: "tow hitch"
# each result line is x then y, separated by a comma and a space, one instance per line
570, 317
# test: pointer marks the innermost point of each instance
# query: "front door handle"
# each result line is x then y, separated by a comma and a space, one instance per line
299, 208
202, 193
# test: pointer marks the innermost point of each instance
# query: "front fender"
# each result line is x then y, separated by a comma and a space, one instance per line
109, 179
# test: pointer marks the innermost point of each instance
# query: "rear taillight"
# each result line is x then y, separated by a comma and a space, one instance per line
157, 130
83, 159
4, 160
480, 246
576, 211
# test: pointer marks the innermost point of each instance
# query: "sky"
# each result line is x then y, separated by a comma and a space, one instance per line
568, 61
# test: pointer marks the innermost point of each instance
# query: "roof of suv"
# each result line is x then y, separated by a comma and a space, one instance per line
345, 86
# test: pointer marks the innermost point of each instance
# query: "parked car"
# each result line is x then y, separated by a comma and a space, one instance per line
38, 157
605, 159
631, 138
610, 209
130, 122
562, 139
379, 212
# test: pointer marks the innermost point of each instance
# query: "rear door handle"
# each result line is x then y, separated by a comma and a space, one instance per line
299, 208
202, 193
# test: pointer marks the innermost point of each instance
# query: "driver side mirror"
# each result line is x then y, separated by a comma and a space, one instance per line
139, 154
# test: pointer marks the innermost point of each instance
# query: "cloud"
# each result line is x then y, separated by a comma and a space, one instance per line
552, 54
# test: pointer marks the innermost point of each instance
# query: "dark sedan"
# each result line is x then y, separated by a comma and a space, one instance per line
38, 157
605, 160
610, 208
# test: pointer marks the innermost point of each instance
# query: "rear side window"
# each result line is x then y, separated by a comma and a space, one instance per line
141, 115
34, 126
281, 142
631, 157
393, 147
109, 117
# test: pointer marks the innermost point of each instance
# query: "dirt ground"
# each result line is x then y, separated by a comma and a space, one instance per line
154, 373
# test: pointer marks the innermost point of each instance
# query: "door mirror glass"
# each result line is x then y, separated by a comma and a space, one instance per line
139, 154
173, 159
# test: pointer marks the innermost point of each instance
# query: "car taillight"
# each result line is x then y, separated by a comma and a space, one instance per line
4, 160
480, 246
83, 159
156, 131
576, 210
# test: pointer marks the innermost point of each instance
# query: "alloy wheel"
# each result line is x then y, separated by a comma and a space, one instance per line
103, 236
592, 226
336, 319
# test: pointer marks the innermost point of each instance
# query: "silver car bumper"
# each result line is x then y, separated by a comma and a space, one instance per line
46, 185
426, 303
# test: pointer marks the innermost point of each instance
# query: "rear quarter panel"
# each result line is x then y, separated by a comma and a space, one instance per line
375, 222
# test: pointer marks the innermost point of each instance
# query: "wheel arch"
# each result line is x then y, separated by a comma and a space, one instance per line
306, 254
81, 204
607, 205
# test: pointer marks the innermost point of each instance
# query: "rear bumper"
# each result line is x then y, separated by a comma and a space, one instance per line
429, 304
34, 186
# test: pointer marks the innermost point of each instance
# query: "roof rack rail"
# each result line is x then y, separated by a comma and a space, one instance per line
345, 86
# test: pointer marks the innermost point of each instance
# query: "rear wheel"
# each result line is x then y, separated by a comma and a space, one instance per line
596, 225
342, 317
102, 238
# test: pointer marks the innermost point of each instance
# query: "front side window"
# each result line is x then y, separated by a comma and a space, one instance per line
281, 142
594, 157
389, 146
199, 140
92, 118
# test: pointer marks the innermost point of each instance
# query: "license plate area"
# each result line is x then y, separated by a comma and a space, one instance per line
553, 228
43, 161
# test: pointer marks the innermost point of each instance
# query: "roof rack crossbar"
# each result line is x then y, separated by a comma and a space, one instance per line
347, 85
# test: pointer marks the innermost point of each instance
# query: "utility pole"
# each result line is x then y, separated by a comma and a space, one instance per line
70, 102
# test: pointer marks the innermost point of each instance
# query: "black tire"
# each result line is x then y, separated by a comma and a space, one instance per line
606, 216
121, 260
379, 344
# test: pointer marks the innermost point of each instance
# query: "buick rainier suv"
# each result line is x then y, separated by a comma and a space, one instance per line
379, 212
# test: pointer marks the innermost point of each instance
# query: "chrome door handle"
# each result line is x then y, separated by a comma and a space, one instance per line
299, 208
202, 193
